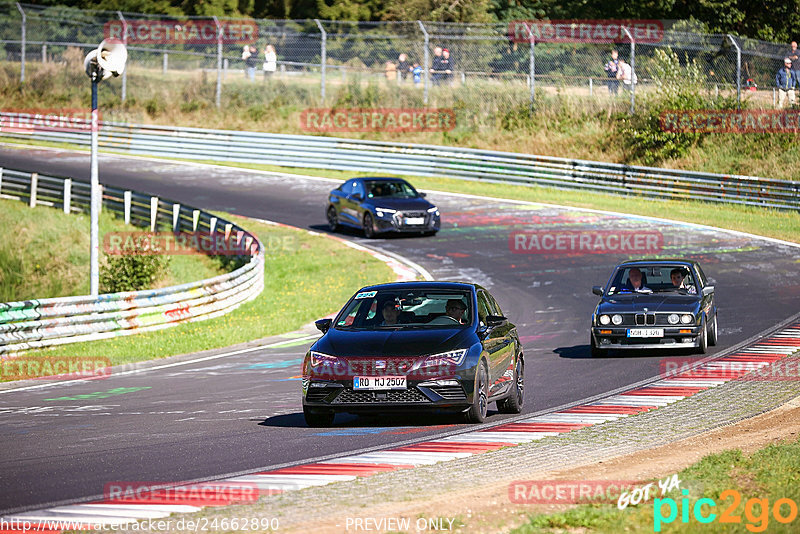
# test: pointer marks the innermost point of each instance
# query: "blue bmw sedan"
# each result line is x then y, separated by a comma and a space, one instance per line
380, 205
412, 346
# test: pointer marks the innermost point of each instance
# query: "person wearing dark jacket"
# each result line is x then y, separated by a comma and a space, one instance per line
785, 80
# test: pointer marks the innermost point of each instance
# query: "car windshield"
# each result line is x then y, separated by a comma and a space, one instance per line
400, 310
653, 279
396, 189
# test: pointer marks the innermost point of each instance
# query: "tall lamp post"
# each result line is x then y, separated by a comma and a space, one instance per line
106, 61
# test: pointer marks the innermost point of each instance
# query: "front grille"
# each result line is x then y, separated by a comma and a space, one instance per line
349, 396
450, 392
317, 394
645, 318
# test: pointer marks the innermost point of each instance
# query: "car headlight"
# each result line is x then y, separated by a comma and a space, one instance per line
673, 318
434, 210
686, 318
604, 319
616, 318
383, 212
453, 358
318, 358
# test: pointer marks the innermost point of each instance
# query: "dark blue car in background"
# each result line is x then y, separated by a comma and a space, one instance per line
379, 205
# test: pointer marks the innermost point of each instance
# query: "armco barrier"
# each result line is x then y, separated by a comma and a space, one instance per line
55, 321
428, 160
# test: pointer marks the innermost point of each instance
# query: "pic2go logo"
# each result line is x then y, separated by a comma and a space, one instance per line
756, 511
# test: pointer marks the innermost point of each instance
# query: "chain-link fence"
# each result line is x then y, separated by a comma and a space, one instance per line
474, 68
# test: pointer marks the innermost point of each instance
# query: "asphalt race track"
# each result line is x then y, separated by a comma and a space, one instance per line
243, 412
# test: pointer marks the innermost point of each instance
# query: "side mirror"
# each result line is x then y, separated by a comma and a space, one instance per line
323, 325
495, 320
358, 197
423, 195
708, 290
597, 290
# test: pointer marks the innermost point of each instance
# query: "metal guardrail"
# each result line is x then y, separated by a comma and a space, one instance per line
319, 152
55, 321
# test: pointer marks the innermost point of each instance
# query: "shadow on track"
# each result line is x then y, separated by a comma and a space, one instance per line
369, 422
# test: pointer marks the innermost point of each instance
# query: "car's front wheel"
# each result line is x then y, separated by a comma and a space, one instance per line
513, 404
712, 334
480, 398
317, 419
369, 226
702, 339
333, 219
596, 351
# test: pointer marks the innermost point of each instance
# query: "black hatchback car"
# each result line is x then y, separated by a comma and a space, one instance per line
655, 304
413, 346
380, 205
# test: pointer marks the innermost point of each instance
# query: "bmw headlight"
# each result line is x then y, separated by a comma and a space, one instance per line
318, 358
686, 318
434, 210
616, 318
453, 358
604, 319
673, 318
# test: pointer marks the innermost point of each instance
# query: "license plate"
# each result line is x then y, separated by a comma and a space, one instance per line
645, 332
415, 220
379, 382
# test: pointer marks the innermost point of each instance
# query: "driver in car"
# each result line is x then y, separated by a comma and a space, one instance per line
390, 313
454, 313
635, 280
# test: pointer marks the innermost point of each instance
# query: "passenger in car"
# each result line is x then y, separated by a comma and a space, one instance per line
678, 277
454, 313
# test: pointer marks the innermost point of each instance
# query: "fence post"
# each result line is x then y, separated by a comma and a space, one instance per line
164, 63
427, 59
738, 72
323, 52
1, 182
195, 220
127, 201
633, 69
44, 53
23, 43
176, 217
34, 187
67, 195
532, 73
219, 62
153, 213
591, 87
124, 42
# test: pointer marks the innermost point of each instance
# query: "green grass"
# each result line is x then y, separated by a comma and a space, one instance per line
306, 277
46, 253
770, 473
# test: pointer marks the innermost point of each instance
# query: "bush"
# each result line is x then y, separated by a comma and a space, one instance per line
678, 88
132, 272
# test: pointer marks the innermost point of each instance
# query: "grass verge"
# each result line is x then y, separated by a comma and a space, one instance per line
761, 480
307, 276
47, 253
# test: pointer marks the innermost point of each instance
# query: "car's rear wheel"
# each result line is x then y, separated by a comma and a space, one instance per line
369, 226
480, 398
317, 419
333, 219
513, 404
712, 334
596, 351
702, 339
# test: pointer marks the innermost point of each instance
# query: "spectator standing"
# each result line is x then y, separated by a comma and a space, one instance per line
270, 61
436, 65
416, 72
403, 67
250, 57
626, 74
611, 68
447, 66
785, 80
794, 55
